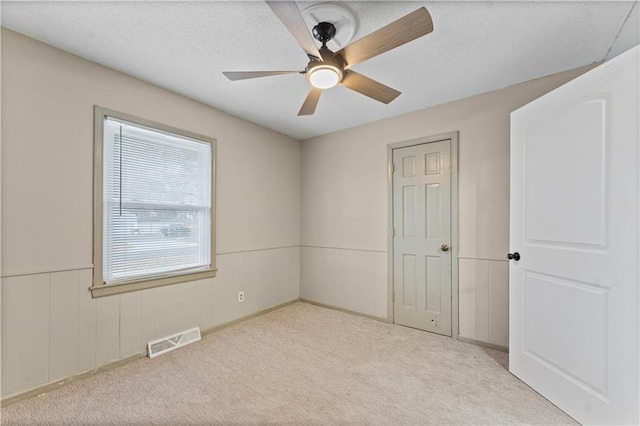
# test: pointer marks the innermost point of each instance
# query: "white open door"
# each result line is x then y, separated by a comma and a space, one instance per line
574, 297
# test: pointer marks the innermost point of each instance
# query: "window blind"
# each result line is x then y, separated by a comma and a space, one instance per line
156, 203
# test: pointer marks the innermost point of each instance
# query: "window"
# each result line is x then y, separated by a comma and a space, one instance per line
153, 205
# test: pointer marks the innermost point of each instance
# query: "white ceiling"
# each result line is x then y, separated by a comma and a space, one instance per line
184, 46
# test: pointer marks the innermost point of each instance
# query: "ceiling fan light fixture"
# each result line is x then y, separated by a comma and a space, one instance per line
325, 76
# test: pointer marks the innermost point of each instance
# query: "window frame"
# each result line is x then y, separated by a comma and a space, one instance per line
99, 288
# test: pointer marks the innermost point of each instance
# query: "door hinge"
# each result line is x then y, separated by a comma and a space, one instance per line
393, 296
393, 232
393, 168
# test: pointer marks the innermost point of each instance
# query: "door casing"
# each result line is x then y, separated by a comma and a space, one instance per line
453, 137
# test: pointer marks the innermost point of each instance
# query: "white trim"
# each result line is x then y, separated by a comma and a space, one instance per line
46, 271
347, 311
345, 248
258, 249
483, 343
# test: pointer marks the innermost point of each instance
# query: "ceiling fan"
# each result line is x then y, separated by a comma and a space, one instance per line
327, 69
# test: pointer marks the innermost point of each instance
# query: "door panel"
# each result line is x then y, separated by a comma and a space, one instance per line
434, 210
409, 209
409, 166
557, 347
574, 315
434, 302
583, 222
409, 291
422, 220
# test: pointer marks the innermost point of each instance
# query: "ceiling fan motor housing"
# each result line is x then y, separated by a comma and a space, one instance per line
324, 32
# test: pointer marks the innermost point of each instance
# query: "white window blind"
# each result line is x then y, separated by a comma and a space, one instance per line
156, 203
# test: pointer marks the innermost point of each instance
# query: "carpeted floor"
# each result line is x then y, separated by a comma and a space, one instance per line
302, 364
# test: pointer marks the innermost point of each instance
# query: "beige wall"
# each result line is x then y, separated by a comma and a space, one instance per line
345, 207
51, 327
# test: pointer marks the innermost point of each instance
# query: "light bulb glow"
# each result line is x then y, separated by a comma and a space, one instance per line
324, 77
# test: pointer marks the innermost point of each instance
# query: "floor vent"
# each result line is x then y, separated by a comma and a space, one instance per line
167, 344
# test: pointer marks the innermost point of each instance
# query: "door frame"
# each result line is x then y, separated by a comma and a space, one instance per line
453, 137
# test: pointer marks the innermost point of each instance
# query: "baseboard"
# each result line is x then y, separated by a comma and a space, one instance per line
485, 344
59, 383
246, 317
460, 338
347, 311
106, 367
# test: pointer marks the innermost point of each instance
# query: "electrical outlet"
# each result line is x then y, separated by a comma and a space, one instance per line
241, 296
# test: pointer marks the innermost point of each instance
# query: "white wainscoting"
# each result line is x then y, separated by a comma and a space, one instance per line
484, 300
52, 328
345, 278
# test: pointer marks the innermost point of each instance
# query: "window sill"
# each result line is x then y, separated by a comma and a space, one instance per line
112, 289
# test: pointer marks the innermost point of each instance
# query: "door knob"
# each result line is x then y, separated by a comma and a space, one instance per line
444, 247
514, 256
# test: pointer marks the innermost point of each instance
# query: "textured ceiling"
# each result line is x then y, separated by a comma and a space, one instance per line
184, 47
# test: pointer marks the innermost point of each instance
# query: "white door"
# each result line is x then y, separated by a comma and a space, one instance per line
574, 315
422, 241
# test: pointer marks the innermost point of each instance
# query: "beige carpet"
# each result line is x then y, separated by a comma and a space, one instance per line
302, 364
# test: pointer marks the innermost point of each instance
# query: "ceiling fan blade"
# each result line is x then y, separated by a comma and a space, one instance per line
309, 105
290, 16
408, 28
244, 75
369, 87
